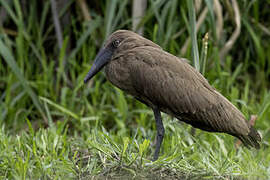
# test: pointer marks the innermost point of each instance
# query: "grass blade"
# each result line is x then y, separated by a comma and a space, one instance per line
61, 108
209, 4
204, 53
7, 56
192, 24
109, 17
91, 27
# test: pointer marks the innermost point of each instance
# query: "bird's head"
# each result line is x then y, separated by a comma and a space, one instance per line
118, 43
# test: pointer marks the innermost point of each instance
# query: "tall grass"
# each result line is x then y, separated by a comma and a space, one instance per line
53, 126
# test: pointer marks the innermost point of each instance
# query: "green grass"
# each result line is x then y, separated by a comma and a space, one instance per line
54, 152
52, 126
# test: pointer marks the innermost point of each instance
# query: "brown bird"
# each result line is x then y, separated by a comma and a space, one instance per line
169, 84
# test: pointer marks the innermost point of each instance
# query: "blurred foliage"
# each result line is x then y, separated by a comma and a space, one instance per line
28, 34
41, 80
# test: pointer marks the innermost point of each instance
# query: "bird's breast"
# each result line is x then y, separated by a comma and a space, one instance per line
118, 74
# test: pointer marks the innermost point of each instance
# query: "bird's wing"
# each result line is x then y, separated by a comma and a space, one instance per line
177, 88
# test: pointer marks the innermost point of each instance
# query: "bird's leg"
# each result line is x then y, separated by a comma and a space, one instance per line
160, 131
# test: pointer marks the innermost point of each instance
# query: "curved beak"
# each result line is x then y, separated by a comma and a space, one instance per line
102, 58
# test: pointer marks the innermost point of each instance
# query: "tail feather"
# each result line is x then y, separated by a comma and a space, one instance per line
252, 139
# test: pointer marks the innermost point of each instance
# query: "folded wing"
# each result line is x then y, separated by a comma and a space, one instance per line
170, 83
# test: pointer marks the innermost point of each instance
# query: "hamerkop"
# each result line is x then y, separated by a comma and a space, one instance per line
169, 84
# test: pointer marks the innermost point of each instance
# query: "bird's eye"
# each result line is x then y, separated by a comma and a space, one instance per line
116, 43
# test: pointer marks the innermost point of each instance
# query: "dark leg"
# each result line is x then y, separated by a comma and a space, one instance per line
160, 132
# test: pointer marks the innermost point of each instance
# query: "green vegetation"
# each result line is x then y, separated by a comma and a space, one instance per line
52, 126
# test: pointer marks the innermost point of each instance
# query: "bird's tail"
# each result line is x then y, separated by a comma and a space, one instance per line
252, 139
